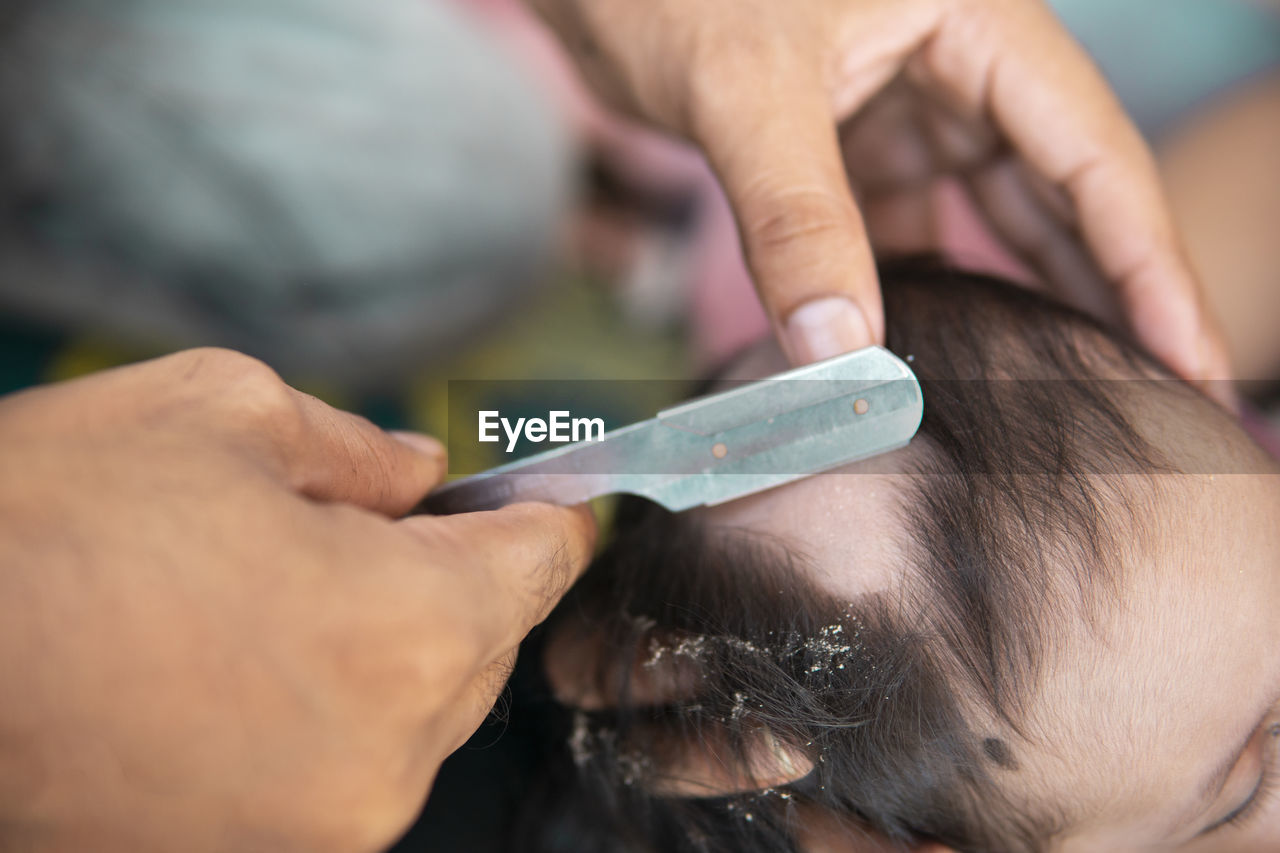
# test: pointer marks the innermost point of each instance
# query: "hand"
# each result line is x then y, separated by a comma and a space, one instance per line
213, 636
993, 92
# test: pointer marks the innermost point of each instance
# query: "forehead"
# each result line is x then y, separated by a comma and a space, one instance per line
1143, 697
1148, 700
847, 523
1135, 706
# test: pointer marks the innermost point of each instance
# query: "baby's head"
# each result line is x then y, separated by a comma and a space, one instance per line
1048, 622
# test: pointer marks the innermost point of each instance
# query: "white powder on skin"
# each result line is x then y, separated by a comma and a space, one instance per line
695, 648
692, 648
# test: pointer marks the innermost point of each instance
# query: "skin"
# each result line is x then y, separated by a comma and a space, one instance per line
1224, 184
213, 633
1140, 710
993, 92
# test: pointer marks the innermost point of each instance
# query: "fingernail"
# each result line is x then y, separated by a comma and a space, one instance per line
419, 442
1216, 376
825, 328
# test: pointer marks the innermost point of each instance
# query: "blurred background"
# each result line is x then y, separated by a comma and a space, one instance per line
375, 198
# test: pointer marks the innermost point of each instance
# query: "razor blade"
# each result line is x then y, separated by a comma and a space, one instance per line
717, 448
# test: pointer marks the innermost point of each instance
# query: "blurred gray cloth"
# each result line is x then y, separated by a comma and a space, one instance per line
338, 187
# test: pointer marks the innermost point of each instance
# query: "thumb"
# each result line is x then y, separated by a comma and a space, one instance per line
334, 455
776, 151
486, 579
514, 564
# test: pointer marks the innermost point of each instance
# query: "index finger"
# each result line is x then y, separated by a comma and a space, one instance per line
1017, 64
773, 143
508, 568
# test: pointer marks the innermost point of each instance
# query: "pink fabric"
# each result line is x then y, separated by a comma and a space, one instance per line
1265, 432
966, 240
726, 314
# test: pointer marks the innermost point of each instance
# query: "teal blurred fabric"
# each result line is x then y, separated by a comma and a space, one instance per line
1165, 58
338, 187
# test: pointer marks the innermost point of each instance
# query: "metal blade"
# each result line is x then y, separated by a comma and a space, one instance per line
721, 447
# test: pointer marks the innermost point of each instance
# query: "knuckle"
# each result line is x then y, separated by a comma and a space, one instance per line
553, 575
500, 670
240, 385
780, 220
416, 646
488, 693
549, 561
445, 663
418, 651
218, 363
721, 71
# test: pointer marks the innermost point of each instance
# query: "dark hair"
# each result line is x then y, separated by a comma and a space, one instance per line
911, 706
